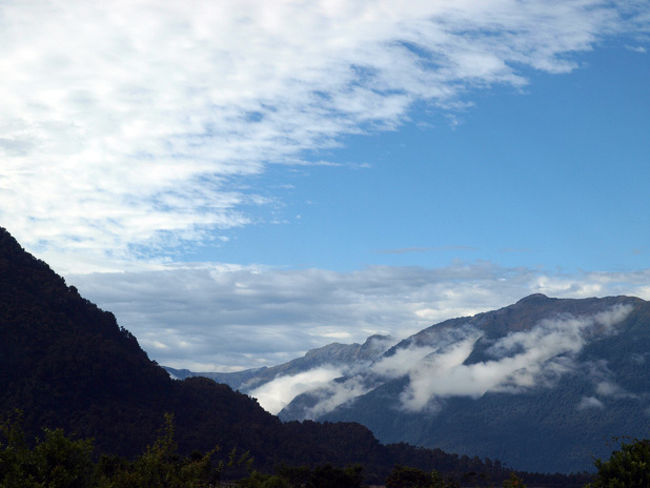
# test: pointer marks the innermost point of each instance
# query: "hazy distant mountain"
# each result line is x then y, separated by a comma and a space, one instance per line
542, 384
335, 355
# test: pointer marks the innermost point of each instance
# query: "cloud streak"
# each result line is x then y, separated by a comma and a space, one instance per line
536, 357
211, 318
276, 394
129, 127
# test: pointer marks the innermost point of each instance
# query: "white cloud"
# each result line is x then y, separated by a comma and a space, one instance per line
606, 388
590, 402
126, 124
277, 393
525, 359
637, 49
401, 362
218, 317
437, 370
334, 394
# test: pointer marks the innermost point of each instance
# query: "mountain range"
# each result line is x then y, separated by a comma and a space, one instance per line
65, 363
543, 384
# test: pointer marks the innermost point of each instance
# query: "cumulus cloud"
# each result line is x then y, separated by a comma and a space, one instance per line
131, 126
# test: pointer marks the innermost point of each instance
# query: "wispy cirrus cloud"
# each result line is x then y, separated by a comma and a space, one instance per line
128, 127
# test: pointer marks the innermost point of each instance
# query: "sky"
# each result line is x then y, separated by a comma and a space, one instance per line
242, 181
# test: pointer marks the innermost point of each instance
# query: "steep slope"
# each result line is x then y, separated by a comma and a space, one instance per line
66, 363
542, 384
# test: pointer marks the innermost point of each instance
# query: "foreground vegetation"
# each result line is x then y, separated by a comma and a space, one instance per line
57, 461
627, 467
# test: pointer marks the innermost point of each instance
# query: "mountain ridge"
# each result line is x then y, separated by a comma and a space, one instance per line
65, 363
331, 354
595, 386
583, 377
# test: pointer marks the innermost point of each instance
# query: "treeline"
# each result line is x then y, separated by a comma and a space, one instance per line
55, 460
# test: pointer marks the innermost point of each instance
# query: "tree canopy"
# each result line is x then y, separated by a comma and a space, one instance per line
628, 467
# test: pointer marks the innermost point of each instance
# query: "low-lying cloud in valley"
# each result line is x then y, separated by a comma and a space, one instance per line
522, 360
276, 394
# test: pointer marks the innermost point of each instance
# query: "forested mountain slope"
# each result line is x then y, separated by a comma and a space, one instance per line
66, 363
543, 384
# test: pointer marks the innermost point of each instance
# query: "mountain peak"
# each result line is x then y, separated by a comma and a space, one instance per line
9, 246
534, 298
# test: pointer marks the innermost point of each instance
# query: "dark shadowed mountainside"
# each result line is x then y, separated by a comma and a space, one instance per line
66, 363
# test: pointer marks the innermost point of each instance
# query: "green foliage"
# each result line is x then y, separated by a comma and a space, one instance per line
628, 467
259, 480
513, 482
62, 462
16, 461
408, 477
160, 466
325, 476
56, 461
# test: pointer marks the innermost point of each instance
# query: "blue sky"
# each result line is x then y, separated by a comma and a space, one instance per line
552, 175
242, 181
